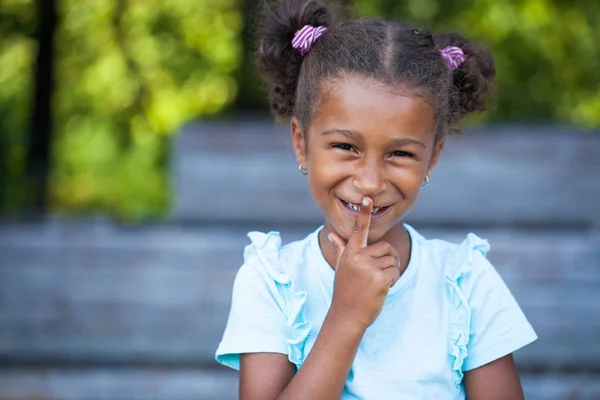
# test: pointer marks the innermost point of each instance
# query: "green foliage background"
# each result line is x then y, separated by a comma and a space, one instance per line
129, 73
17, 50
547, 52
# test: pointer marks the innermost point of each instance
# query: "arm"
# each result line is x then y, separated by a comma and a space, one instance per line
498, 329
322, 376
497, 380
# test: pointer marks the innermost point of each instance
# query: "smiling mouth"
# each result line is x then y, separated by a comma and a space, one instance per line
356, 208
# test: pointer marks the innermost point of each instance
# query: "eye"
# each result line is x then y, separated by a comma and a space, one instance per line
400, 153
343, 146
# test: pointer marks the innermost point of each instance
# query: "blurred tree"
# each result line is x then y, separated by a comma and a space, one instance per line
40, 132
547, 52
250, 98
129, 73
17, 58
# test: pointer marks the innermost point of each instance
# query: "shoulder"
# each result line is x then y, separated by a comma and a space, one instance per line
265, 295
485, 321
454, 260
267, 259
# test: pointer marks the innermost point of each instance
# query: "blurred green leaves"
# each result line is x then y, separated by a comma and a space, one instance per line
129, 73
547, 52
17, 52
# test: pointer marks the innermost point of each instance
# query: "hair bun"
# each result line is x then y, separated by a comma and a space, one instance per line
472, 80
277, 61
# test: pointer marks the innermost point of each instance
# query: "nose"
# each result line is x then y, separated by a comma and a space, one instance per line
369, 178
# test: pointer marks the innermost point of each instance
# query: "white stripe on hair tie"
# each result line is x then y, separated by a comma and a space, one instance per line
306, 37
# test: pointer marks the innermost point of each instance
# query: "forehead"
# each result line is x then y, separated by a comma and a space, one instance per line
375, 109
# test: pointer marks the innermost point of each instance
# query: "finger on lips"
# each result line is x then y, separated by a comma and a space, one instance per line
384, 252
360, 233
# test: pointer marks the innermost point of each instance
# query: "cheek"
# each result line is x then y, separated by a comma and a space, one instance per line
408, 183
414, 182
408, 179
324, 174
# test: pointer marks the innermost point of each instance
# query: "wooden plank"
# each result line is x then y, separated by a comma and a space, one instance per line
246, 172
187, 384
561, 387
100, 293
117, 384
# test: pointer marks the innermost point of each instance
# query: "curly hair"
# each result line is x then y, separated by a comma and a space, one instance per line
391, 52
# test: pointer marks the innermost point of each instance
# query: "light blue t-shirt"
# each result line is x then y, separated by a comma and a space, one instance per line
450, 312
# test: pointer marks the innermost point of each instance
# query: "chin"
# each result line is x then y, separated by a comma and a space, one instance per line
377, 233
344, 228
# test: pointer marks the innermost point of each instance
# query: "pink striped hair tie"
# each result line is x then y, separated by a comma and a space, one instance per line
453, 56
306, 37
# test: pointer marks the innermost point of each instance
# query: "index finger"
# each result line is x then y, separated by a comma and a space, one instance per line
360, 231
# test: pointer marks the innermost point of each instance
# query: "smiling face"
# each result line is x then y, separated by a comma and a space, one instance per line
365, 140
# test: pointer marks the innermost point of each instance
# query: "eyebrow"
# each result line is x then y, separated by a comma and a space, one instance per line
358, 136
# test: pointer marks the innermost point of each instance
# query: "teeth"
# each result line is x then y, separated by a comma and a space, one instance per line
352, 206
356, 208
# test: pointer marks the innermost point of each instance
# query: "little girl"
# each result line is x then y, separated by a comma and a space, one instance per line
365, 307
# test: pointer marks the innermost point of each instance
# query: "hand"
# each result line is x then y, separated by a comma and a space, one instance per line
363, 274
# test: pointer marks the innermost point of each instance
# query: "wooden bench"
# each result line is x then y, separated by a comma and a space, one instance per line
247, 173
97, 295
162, 293
92, 309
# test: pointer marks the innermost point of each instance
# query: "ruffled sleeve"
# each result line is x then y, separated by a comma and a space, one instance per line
486, 322
267, 311
459, 311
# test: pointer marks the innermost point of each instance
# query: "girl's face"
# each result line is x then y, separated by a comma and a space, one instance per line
365, 140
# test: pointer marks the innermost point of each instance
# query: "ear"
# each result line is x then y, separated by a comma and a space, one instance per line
299, 141
436, 154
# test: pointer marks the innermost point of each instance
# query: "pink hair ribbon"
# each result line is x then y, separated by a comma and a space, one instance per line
306, 37
453, 56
